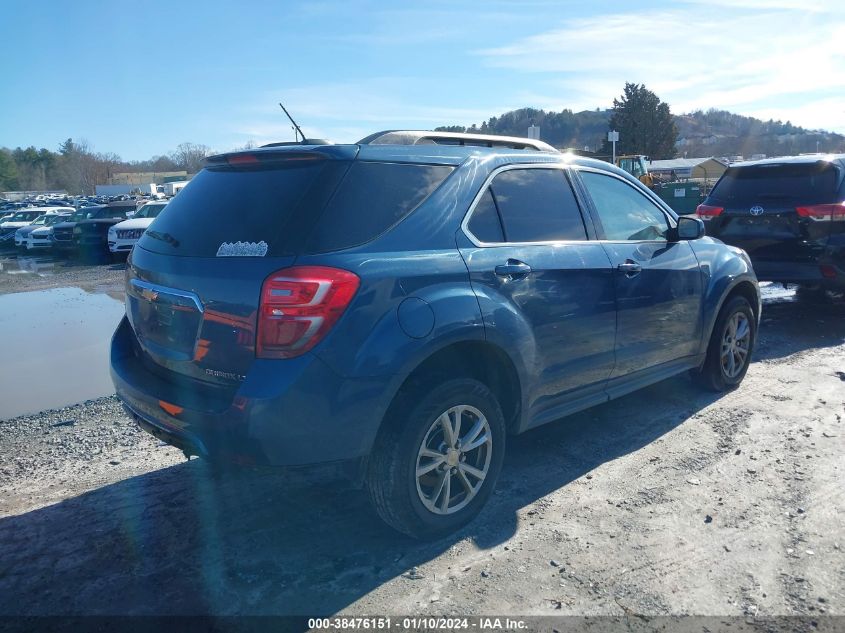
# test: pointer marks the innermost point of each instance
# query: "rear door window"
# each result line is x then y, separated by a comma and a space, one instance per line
805, 183
372, 198
537, 205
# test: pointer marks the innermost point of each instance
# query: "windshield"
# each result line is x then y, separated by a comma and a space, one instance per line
41, 219
85, 214
50, 220
22, 217
150, 210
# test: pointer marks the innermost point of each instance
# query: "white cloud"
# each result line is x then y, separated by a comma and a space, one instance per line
828, 113
818, 6
780, 60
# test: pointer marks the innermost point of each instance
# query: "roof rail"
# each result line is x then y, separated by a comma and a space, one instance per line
422, 137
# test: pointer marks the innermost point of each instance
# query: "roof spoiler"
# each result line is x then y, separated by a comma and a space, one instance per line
421, 137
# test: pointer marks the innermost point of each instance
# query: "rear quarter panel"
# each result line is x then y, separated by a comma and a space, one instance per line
369, 339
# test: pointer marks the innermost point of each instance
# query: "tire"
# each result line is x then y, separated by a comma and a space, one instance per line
415, 506
715, 374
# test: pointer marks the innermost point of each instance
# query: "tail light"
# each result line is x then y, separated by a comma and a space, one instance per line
823, 212
299, 306
706, 212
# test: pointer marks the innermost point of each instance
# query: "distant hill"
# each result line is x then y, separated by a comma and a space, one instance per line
710, 133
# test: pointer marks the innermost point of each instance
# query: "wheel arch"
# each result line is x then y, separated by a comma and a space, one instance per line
744, 287
478, 359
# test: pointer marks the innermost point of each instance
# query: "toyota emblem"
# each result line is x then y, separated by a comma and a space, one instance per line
756, 210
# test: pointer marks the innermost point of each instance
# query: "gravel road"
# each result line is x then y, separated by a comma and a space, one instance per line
668, 501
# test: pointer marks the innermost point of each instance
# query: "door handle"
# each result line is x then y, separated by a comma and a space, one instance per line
630, 268
514, 269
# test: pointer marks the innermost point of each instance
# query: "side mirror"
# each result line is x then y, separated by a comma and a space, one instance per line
690, 228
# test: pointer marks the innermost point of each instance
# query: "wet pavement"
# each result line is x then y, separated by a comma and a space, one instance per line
55, 345
36, 263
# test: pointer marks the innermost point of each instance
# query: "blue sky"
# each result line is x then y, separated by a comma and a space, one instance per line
138, 78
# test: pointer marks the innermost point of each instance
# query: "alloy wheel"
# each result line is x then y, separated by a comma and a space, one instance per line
736, 344
454, 459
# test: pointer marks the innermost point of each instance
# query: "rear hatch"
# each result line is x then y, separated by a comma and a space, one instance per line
195, 276
775, 212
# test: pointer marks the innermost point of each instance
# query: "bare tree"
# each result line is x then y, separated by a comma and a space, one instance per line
190, 156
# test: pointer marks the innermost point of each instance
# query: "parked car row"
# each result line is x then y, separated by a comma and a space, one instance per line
89, 230
62, 200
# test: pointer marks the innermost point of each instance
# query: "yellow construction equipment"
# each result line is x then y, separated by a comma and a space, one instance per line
637, 166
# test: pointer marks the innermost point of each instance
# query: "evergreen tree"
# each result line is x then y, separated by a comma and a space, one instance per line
644, 123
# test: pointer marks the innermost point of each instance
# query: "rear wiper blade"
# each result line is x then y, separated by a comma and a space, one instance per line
164, 237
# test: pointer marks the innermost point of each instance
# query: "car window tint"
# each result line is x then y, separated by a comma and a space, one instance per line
484, 223
624, 212
372, 198
537, 205
275, 203
805, 183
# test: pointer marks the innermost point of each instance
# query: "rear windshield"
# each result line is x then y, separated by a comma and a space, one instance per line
225, 205
809, 183
324, 204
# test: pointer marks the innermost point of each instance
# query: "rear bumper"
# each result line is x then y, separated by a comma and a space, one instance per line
285, 413
189, 445
826, 271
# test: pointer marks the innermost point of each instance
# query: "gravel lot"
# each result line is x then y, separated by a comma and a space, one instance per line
668, 501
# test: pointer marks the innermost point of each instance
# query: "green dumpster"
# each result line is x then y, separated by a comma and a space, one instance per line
683, 197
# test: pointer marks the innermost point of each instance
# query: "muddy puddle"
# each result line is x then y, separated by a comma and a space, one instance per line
55, 348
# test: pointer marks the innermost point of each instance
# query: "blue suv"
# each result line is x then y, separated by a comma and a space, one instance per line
401, 305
